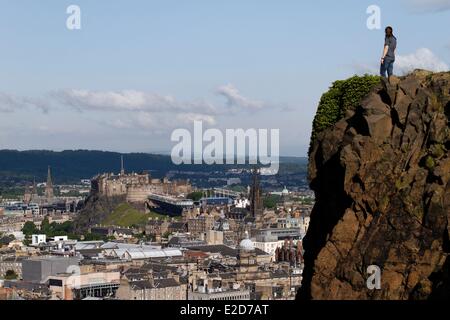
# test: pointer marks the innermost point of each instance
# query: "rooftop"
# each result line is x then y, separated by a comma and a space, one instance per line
157, 283
223, 250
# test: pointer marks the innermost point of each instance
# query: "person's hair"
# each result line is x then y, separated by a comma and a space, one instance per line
389, 31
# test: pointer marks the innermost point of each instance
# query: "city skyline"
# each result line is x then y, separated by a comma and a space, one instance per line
134, 73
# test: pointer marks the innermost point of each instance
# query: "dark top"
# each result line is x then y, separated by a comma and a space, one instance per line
391, 42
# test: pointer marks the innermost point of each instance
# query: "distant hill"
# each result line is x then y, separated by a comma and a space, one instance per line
72, 165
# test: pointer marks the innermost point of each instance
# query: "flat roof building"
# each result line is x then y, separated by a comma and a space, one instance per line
40, 268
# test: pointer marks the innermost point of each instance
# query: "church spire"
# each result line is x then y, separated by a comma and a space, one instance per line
49, 186
122, 168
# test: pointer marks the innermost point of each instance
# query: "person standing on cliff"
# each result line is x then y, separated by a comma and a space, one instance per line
388, 57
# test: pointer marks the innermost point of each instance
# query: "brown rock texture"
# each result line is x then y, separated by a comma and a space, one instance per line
381, 177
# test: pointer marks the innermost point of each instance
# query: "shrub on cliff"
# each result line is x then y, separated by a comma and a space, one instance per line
343, 95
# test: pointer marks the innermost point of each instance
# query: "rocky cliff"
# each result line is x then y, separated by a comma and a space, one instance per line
381, 177
96, 210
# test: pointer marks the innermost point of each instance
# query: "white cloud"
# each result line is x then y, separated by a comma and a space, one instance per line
150, 121
189, 118
132, 109
126, 100
140, 120
236, 100
53, 130
158, 123
423, 58
138, 101
133, 101
423, 6
11, 103
118, 123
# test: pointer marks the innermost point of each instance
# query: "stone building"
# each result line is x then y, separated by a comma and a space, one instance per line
290, 253
73, 286
136, 187
13, 263
157, 228
151, 289
198, 226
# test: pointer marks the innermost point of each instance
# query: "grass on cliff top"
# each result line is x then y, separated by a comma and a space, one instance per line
124, 215
342, 96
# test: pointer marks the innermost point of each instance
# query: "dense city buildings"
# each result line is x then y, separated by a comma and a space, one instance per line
152, 239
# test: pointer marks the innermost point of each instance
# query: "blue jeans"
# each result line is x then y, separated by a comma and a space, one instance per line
387, 66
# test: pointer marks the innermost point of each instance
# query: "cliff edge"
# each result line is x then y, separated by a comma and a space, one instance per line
381, 176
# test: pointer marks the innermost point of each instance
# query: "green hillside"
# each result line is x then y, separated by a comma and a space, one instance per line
124, 215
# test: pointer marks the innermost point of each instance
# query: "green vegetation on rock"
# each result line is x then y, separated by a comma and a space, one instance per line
430, 163
438, 151
342, 96
124, 215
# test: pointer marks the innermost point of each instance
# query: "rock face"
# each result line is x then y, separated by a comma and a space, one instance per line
96, 209
381, 177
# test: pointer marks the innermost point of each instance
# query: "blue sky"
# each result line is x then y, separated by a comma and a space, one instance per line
139, 69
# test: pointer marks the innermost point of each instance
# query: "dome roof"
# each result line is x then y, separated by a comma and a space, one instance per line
247, 244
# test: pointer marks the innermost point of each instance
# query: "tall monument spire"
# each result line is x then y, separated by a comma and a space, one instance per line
256, 203
122, 168
49, 186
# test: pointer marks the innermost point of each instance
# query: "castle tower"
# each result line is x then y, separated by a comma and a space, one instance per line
49, 186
